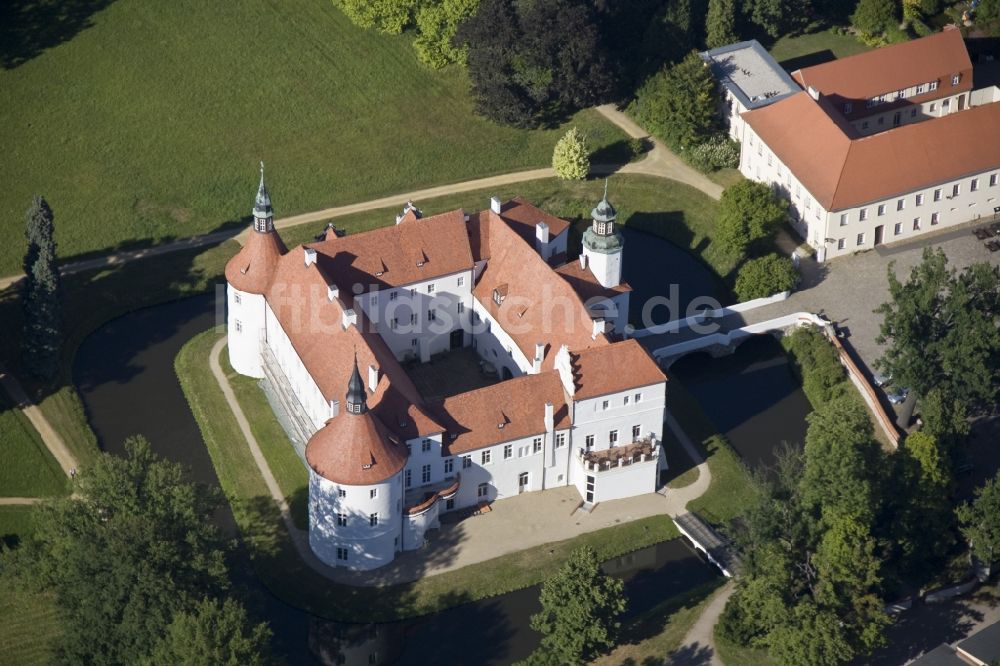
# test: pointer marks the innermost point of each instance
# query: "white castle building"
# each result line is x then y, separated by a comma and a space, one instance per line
869, 149
333, 326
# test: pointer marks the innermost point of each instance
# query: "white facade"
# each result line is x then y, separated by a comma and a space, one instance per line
606, 266
357, 527
244, 326
302, 383
914, 113
841, 232
495, 345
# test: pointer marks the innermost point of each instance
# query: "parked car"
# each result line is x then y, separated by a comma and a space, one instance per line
881, 379
897, 395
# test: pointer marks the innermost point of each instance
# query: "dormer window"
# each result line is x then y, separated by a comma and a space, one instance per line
499, 294
848, 107
955, 79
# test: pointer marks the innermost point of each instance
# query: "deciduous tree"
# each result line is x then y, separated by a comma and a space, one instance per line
389, 16
679, 103
765, 276
437, 24
131, 550
942, 331
571, 159
749, 212
720, 23
580, 609
213, 633
872, 17
979, 521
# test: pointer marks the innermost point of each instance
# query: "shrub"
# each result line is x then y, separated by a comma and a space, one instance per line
820, 372
719, 152
748, 213
570, 157
636, 147
765, 276
678, 104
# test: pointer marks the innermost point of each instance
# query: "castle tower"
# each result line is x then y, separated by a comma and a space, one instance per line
355, 486
248, 275
603, 244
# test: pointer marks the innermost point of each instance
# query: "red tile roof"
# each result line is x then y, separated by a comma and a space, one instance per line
522, 217
537, 307
355, 449
250, 270
412, 251
618, 367
843, 173
860, 77
585, 283
473, 419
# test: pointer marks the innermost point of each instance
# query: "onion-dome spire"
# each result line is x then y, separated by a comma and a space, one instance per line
263, 214
357, 399
604, 212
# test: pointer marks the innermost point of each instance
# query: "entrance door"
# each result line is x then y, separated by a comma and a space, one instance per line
879, 231
522, 482
590, 489
961, 102
457, 339
897, 119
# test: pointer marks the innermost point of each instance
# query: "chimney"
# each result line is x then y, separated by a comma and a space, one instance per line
583, 261
495, 205
332, 292
310, 256
536, 365
542, 232
334, 408
372, 378
550, 421
350, 318
813, 93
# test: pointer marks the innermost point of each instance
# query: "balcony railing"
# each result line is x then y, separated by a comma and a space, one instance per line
640, 451
290, 403
445, 491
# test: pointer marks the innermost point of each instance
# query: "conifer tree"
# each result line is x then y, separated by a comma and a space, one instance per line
570, 159
720, 23
42, 338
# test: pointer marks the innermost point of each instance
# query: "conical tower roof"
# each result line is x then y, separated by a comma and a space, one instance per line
357, 399
604, 211
262, 202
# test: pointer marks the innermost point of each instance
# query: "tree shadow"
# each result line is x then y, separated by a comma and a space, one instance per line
30, 27
617, 153
691, 655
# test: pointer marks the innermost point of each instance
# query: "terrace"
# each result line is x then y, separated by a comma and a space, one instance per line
418, 500
643, 450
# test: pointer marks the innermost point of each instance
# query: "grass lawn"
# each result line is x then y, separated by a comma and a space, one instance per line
814, 48
279, 566
27, 469
15, 523
658, 632
28, 625
675, 211
730, 488
737, 655
149, 122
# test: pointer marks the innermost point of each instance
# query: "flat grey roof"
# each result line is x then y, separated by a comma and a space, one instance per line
984, 645
750, 73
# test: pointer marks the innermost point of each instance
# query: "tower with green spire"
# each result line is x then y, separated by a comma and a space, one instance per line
603, 244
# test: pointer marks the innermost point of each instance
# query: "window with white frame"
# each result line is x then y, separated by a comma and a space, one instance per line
605, 404
461, 280
993, 179
483, 490
881, 210
413, 318
341, 554
937, 194
432, 315
841, 243
341, 519
460, 306
239, 326
536, 445
394, 323
237, 298
637, 397
848, 107
613, 437
956, 189
897, 229
407, 478
861, 239
373, 493
935, 218
430, 288
486, 457
413, 343
843, 219
955, 79
920, 199
508, 451
589, 441
921, 88
449, 465
560, 440
901, 204
625, 400
636, 431
373, 519
466, 462
425, 474
393, 295
425, 445
933, 85
863, 214
916, 224
974, 185
341, 493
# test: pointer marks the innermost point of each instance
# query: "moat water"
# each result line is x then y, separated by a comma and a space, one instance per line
125, 374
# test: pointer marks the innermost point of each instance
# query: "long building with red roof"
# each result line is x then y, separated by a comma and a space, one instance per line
338, 329
879, 147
